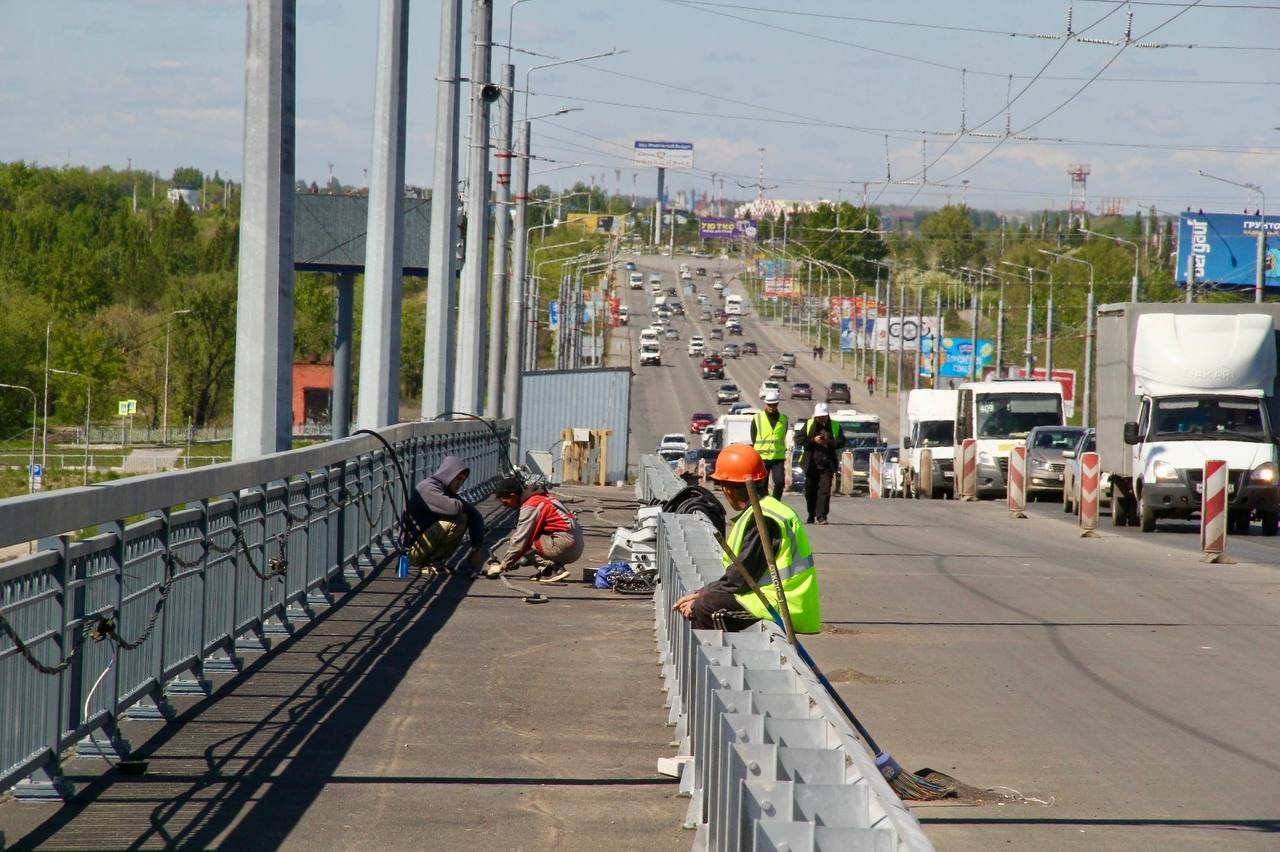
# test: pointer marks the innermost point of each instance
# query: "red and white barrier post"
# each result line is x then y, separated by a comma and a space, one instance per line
1089, 495
967, 470
846, 473
681, 467
702, 471
1017, 490
1213, 512
875, 488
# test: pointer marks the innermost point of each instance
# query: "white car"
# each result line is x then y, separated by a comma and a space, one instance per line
719, 285
673, 441
769, 385
696, 345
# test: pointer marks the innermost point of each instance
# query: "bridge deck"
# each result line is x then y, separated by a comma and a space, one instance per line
446, 714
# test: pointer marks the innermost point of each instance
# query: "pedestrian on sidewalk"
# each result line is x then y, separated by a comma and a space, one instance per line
436, 518
728, 603
547, 535
822, 444
769, 438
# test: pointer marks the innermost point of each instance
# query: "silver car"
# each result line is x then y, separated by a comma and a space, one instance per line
1046, 446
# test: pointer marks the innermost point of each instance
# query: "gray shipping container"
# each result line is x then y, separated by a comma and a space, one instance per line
1113, 385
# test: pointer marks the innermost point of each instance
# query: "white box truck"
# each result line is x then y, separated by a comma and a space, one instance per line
998, 415
1179, 384
927, 421
728, 429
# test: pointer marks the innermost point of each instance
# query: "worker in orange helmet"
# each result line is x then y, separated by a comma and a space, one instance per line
728, 602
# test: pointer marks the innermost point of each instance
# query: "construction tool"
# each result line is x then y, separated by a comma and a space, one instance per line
906, 784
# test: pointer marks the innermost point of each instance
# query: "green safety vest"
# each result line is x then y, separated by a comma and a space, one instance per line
771, 441
835, 431
795, 566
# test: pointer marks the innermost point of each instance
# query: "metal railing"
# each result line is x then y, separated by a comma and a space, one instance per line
140, 587
768, 759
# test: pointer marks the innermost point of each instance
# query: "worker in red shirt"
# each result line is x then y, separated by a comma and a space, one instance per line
547, 535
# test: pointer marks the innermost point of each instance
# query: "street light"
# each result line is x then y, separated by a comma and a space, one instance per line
1088, 334
1260, 271
164, 422
1133, 287
611, 52
1026, 348
88, 407
31, 464
977, 316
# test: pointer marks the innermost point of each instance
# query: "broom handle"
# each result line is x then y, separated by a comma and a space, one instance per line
800, 649
763, 529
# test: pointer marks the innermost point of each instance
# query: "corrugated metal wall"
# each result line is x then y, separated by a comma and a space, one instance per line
555, 400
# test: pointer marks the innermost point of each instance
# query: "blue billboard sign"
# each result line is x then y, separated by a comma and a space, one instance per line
553, 314
1224, 249
956, 354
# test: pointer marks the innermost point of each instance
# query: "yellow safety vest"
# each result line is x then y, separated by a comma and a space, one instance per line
795, 567
771, 441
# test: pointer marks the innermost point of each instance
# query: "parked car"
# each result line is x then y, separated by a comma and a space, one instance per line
749, 348
713, 367
801, 390
839, 392
1045, 460
1087, 443
731, 350
728, 392
673, 441
789, 359
779, 372
769, 385
700, 420
696, 345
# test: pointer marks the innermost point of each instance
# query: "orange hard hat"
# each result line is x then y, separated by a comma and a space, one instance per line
738, 463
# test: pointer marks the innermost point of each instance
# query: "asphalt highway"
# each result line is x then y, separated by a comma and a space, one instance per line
1125, 690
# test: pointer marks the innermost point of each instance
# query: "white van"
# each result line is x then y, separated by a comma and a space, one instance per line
636, 280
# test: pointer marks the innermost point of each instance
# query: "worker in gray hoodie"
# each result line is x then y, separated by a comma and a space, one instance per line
436, 518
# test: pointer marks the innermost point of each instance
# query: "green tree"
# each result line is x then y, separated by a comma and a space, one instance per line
188, 177
951, 239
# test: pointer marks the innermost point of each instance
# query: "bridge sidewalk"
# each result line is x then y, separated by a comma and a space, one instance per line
418, 713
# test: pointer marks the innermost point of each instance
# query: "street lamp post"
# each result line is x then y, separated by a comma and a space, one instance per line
88, 408
164, 421
1133, 285
532, 68
1260, 268
1088, 335
31, 462
1026, 347
977, 314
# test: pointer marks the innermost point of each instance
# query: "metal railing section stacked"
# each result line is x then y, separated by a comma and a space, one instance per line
140, 588
655, 481
766, 757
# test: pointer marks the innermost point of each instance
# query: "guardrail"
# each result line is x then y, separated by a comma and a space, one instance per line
141, 587
656, 482
769, 761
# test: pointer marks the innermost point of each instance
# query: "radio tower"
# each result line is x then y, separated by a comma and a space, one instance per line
1079, 192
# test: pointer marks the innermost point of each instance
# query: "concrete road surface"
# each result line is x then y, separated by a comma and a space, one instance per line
1125, 689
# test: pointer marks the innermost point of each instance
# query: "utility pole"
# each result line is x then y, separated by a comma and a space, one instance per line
499, 289
516, 286
438, 350
379, 401
472, 343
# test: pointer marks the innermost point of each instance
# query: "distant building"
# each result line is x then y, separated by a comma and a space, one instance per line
190, 197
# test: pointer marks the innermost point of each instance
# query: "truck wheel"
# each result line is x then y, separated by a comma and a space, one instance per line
1148, 518
1119, 508
1270, 521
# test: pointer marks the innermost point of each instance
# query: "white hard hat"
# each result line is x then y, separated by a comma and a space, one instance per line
820, 410
771, 397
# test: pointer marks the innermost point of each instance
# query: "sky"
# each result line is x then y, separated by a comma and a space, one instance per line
849, 99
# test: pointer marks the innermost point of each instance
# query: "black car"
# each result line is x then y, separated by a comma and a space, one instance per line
839, 392
701, 272
749, 348
676, 308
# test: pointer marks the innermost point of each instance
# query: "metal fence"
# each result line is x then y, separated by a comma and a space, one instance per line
140, 587
554, 400
770, 762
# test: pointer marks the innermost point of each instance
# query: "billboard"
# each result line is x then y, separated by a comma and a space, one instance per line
1224, 247
843, 307
888, 333
724, 228
676, 155
781, 287
955, 353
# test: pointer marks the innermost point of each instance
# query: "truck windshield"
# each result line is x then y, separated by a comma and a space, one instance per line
1014, 415
937, 433
1213, 418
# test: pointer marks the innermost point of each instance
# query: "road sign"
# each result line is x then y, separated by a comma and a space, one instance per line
553, 314
676, 155
37, 470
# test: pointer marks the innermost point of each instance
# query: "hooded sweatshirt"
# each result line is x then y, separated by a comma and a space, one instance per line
432, 500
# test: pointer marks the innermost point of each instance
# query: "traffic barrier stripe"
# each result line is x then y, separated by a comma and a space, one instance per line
1089, 491
1017, 491
1213, 507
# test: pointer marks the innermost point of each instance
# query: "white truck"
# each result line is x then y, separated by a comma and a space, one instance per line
728, 429
1178, 385
927, 421
858, 428
998, 415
